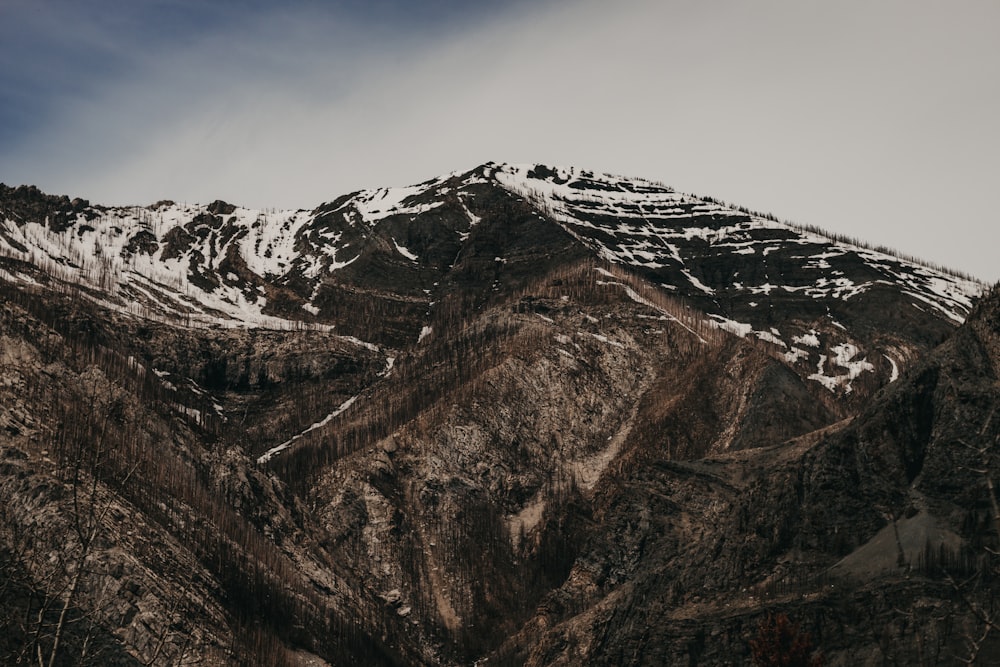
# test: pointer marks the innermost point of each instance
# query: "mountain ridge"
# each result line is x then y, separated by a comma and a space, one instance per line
219, 264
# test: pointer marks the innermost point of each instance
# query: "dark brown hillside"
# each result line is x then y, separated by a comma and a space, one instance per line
188, 552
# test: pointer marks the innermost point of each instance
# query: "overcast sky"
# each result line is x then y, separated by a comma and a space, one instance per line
876, 119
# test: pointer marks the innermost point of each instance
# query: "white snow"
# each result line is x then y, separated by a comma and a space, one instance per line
473, 218
375, 205
810, 339
93, 252
334, 265
361, 343
404, 252
635, 296
766, 288
795, 354
697, 283
770, 337
605, 339
160, 287
895, 368
845, 356
820, 376
741, 329
269, 454
641, 224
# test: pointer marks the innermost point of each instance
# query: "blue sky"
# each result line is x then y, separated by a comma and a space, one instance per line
876, 120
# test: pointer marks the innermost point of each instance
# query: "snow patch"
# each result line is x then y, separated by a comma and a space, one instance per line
697, 283
895, 368
810, 339
269, 454
404, 252
605, 339
795, 354
741, 329
770, 337
844, 356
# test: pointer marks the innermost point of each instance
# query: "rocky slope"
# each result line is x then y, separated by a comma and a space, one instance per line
874, 532
520, 415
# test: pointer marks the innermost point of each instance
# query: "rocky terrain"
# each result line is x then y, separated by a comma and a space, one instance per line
519, 415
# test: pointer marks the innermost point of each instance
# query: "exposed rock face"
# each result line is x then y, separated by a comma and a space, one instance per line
520, 414
835, 528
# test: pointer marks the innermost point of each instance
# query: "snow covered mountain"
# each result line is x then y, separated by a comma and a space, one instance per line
520, 415
222, 265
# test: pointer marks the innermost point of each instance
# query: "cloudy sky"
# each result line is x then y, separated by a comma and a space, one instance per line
877, 119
